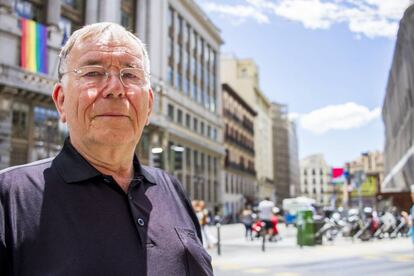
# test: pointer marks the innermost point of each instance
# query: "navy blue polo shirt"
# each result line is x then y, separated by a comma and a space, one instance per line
62, 217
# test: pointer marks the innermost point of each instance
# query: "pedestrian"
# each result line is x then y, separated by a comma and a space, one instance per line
203, 217
247, 220
265, 214
275, 220
94, 209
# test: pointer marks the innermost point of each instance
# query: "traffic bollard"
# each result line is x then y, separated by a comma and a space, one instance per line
264, 241
218, 238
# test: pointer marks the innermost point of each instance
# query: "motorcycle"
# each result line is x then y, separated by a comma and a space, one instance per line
331, 227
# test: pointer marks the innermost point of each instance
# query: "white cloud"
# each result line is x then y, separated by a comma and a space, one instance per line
293, 116
238, 13
337, 117
371, 18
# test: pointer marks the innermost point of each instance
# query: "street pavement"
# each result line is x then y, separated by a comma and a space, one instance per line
285, 258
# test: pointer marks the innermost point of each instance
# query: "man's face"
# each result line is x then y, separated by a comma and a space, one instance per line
109, 114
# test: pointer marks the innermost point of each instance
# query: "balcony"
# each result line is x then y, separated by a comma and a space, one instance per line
14, 76
236, 142
245, 123
239, 167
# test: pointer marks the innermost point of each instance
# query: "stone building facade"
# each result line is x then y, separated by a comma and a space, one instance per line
398, 117
243, 76
239, 187
294, 169
314, 179
281, 166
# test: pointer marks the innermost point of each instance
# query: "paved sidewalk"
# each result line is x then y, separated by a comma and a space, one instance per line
236, 251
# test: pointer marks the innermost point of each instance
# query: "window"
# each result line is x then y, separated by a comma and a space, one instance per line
244, 73
20, 120
195, 124
45, 123
31, 9
180, 116
170, 18
202, 128
128, 8
47, 136
194, 41
214, 81
170, 75
72, 16
75, 4
187, 120
171, 112
196, 163
209, 132
187, 153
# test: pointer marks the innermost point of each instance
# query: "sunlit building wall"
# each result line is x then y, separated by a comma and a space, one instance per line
398, 116
280, 140
294, 168
243, 76
239, 187
314, 179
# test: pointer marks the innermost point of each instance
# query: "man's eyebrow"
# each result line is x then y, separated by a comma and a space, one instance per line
91, 61
132, 64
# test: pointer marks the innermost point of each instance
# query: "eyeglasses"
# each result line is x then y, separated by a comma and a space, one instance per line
96, 76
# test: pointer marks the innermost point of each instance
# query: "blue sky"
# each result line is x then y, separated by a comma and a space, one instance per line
328, 60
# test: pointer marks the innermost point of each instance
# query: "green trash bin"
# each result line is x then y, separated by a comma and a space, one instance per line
305, 227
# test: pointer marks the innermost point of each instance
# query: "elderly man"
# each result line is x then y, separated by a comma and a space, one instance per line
93, 209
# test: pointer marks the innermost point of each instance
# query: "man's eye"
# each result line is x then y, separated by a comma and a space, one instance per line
91, 74
130, 76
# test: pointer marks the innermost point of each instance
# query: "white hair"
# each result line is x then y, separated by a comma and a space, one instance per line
95, 30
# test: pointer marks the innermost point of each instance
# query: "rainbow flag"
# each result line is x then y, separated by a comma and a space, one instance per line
33, 50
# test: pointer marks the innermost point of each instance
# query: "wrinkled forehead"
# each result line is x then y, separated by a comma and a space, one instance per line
94, 50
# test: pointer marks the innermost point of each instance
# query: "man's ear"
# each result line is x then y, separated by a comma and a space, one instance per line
59, 98
150, 105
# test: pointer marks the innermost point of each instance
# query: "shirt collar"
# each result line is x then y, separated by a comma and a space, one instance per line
74, 168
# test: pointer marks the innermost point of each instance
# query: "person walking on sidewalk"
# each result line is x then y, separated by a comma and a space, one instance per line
247, 220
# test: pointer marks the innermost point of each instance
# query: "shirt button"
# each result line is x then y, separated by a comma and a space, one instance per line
130, 197
107, 180
140, 222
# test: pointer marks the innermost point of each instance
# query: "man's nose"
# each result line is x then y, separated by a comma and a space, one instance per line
114, 86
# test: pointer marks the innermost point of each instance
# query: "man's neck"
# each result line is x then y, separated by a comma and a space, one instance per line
110, 160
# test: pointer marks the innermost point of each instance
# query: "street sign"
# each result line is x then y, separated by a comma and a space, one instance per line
359, 178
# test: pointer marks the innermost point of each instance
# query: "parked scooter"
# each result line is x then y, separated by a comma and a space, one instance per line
388, 224
353, 223
403, 227
370, 225
331, 227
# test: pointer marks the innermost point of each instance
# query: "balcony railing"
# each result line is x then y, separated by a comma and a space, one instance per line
245, 123
239, 167
17, 77
239, 144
